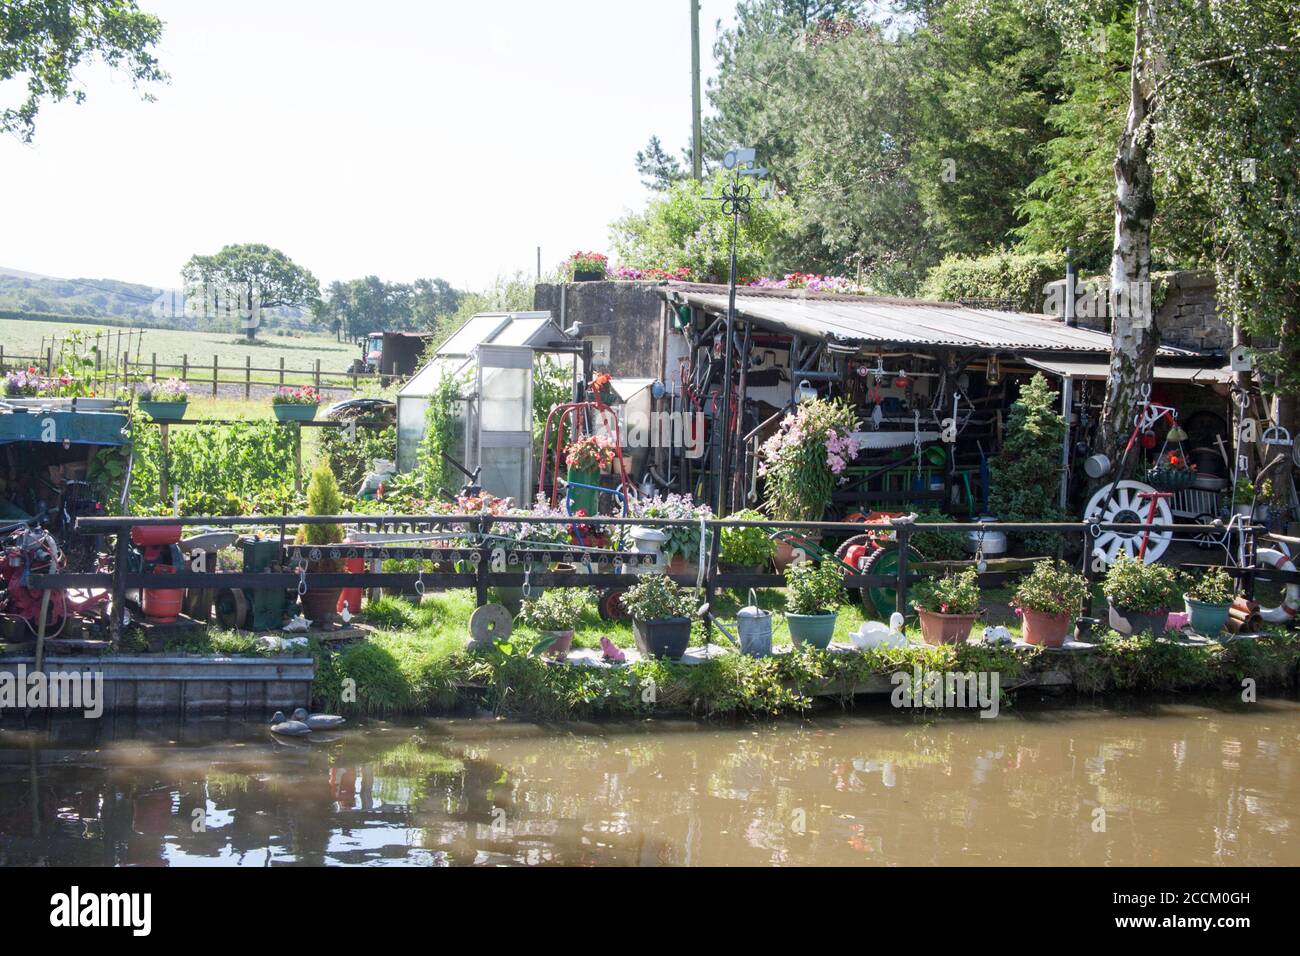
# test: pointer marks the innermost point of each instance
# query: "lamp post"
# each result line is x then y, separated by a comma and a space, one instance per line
737, 198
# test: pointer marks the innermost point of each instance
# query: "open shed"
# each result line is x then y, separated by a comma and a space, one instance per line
912, 368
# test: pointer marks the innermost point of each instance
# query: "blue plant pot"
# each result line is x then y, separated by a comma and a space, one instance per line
295, 412
814, 629
1207, 619
164, 411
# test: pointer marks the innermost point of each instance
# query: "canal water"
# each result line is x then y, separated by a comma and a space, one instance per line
1206, 783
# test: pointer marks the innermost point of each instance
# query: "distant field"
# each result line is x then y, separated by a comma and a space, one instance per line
23, 337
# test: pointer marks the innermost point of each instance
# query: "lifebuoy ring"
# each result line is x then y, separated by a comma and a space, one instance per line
1290, 607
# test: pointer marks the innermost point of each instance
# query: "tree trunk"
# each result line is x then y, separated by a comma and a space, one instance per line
1134, 336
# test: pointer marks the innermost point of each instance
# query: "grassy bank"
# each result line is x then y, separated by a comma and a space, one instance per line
416, 663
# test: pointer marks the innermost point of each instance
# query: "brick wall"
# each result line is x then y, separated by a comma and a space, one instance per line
1187, 318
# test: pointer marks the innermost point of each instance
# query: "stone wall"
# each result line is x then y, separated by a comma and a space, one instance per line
1187, 317
627, 314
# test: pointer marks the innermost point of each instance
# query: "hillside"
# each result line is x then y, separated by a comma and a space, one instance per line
107, 300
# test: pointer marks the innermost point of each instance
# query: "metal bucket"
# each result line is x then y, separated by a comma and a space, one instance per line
1096, 466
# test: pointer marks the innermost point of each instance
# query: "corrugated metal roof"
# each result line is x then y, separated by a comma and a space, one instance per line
1100, 371
894, 323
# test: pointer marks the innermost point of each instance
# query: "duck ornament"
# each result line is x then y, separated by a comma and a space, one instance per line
301, 723
873, 634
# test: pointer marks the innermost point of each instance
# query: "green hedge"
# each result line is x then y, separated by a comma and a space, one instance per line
1002, 275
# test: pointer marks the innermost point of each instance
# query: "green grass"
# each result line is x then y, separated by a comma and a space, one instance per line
23, 337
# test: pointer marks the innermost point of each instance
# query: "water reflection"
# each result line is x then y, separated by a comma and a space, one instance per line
1172, 783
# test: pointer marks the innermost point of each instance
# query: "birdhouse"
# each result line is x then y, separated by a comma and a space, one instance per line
1239, 359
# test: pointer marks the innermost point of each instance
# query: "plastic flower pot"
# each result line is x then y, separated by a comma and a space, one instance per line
1046, 630
164, 411
587, 275
666, 637
563, 642
939, 628
1208, 619
295, 411
786, 551
585, 500
814, 629
1129, 623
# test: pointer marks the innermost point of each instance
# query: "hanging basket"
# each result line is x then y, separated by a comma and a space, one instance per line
1171, 479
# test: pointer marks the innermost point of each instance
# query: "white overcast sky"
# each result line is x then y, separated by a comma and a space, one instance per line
400, 139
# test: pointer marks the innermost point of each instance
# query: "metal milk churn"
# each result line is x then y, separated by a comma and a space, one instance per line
650, 541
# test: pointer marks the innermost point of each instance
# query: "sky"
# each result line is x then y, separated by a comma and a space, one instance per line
399, 139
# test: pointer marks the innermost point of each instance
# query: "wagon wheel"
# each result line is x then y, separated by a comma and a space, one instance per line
1209, 539
885, 561
843, 550
610, 605
232, 608
1121, 503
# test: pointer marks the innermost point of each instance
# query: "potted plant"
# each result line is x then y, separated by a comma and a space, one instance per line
554, 615
586, 456
588, 266
815, 592
745, 550
323, 498
1049, 599
681, 544
1207, 600
164, 401
295, 404
803, 460
1172, 472
661, 613
1251, 501
1140, 594
948, 606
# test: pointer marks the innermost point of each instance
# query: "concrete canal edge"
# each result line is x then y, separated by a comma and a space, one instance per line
251, 687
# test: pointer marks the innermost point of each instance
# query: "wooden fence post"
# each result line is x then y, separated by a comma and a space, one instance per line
318, 375
185, 368
216, 374
282, 371
248, 377
153, 368
49, 360
900, 600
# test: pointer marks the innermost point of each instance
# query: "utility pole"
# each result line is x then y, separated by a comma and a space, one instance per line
697, 155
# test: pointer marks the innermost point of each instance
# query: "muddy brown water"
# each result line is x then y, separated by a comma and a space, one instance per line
1214, 782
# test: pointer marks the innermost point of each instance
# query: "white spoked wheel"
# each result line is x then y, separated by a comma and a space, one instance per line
1285, 613
1122, 503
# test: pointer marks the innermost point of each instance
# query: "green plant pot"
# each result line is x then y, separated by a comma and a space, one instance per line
295, 412
584, 499
164, 411
1207, 619
814, 629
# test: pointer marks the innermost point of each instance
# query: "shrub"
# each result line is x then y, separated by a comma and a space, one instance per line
1002, 275
323, 498
746, 546
1025, 478
814, 588
951, 594
1052, 588
556, 610
1212, 587
936, 545
657, 596
1134, 586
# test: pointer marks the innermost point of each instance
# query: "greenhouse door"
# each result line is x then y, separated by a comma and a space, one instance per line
504, 421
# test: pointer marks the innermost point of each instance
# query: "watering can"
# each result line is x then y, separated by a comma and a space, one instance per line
753, 628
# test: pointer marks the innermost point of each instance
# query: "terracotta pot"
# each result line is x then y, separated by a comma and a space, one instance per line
785, 552
563, 643
318, 605
939, 628
1047, 630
